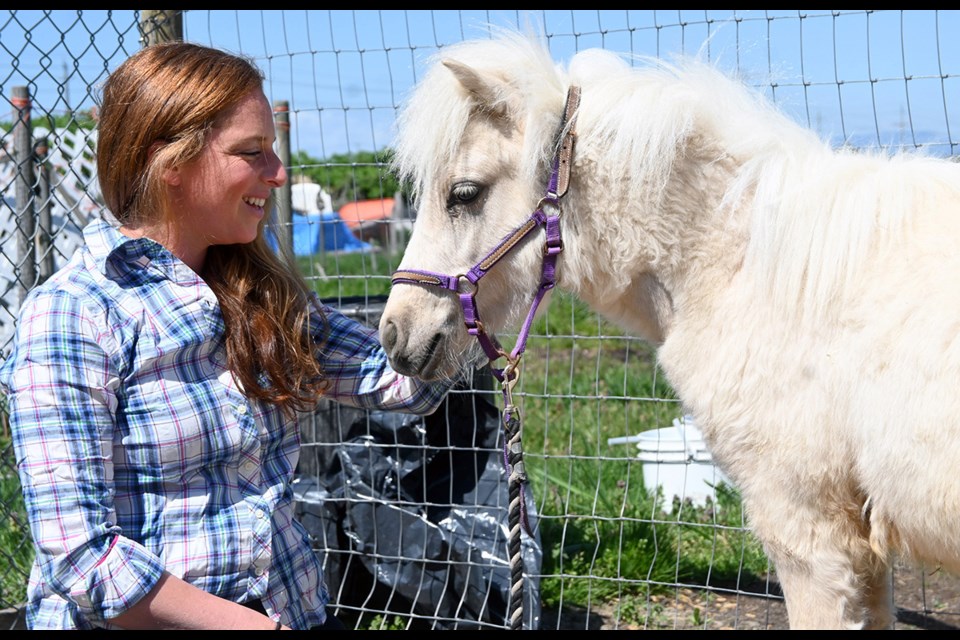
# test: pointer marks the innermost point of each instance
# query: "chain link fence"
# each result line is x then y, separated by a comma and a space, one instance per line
337, 78
49, 192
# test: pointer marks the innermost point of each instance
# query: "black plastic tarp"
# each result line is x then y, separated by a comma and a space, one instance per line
411, 514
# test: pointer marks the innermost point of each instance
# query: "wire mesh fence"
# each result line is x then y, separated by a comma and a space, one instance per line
409, 515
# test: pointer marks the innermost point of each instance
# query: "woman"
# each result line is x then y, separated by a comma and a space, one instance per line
154, 380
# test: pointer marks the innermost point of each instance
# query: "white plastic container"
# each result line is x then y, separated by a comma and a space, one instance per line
677, 459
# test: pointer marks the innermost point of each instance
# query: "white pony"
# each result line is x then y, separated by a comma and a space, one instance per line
805, 301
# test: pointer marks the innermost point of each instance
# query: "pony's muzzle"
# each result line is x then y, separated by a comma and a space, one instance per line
420, 344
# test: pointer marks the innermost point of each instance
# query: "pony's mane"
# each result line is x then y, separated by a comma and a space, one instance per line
639, 113
813, 212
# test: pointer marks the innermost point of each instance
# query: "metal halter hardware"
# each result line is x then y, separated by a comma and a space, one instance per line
466, 285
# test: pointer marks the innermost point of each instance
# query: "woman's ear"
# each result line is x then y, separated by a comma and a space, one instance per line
171, 175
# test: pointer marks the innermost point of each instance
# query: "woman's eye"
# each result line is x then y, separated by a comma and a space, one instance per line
464, 193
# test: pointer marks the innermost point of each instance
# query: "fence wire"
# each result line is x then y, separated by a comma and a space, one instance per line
862, 78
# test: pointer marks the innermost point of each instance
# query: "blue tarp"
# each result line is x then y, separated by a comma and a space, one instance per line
316, 232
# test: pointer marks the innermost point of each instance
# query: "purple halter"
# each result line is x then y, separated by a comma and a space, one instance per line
466, 285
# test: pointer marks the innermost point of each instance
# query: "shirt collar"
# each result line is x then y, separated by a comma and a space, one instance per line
106, 244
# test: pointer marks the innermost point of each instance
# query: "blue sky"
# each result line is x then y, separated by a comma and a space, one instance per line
870, 77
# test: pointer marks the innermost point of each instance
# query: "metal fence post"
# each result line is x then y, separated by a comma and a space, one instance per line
25, 269
284, 195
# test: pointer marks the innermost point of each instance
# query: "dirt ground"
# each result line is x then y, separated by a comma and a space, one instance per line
924, 600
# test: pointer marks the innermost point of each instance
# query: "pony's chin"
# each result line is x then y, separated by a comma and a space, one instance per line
436, 375
427, 363
434, 347
450, 363
444, 359
433, 368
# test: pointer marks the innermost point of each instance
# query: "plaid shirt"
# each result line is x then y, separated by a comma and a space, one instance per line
138, 453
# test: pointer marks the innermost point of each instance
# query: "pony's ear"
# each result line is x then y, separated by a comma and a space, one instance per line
489, 95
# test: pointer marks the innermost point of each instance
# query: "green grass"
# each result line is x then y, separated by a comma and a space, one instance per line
582, 381
604, 536
16, 548
335, 276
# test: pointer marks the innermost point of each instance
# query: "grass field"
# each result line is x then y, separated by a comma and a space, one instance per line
604, 536
16, 549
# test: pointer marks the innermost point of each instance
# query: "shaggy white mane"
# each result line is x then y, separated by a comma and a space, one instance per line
814, 211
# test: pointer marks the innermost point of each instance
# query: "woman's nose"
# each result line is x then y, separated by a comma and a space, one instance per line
276, 173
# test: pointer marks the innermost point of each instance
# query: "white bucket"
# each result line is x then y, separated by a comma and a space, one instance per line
677, 459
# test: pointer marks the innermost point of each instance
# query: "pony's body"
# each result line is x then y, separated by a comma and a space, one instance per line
804, 300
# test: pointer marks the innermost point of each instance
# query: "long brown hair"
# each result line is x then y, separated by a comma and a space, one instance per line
173, 93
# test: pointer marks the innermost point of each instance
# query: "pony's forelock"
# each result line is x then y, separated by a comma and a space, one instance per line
432, 121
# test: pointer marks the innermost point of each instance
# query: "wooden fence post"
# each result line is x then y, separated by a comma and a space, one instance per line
25, 267
163, 25
284, 195
44, 244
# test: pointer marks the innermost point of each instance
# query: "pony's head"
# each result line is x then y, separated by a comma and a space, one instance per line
676, 165
475, 142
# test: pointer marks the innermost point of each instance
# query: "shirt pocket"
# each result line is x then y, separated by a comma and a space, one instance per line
176, 428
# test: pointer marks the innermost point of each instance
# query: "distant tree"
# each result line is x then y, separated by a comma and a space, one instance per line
347, 177
72, 121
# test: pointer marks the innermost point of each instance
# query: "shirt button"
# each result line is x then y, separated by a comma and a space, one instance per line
242, 409
258, 571
259, 513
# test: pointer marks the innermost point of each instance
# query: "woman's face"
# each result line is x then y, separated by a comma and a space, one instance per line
219, 197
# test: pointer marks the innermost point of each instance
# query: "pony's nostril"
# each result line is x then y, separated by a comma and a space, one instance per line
388, 336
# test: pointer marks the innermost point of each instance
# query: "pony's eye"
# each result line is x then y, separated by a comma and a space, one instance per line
463, 193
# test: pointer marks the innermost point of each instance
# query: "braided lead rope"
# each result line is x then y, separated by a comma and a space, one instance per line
508, 376
517, 513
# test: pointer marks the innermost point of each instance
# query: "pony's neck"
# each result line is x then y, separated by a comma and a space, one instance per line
659, 205
708, 191
634, 254
664, 183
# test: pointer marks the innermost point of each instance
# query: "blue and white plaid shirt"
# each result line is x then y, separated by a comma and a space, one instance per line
138, 453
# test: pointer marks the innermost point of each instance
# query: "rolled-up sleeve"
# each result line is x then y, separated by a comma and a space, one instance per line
360, 375
61, 385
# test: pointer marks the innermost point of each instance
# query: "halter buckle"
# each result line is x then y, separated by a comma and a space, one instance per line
475, 327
